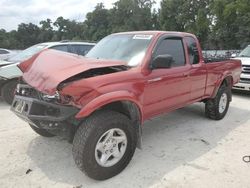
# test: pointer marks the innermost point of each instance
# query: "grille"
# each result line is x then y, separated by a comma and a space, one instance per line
27, 91
245, 80
246, 69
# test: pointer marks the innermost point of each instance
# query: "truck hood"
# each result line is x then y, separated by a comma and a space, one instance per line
244, 60
47, 69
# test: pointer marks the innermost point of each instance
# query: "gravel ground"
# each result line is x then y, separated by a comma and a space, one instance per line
180, 149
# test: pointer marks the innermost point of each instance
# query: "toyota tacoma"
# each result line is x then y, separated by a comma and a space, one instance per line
99, 102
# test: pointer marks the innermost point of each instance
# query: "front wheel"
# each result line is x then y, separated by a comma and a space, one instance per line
8, 91
217, 107
104, 144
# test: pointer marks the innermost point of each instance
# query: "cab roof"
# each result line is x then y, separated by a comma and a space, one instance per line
156, 32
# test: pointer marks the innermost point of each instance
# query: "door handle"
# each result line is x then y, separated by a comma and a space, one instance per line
155, 80
185, 74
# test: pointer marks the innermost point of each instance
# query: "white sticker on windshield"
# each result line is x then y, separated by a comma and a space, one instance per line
143, 37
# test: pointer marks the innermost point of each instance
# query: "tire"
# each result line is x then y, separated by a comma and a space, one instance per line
90, 133
212, 107
8, 91
41, 132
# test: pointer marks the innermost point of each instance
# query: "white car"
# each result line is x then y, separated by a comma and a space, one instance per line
9, 72
4, 53
244, 83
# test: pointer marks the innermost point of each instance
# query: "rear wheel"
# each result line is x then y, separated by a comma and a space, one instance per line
41, 132
8, 91
104, 144
217, 107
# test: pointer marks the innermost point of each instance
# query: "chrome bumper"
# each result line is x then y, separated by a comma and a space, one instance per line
242, 86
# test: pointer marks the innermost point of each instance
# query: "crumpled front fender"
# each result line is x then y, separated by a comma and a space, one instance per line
107, 99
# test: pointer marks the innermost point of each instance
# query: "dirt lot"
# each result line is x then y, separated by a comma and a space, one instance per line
180, 149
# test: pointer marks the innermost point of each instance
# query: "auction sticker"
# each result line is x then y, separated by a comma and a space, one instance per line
143, 37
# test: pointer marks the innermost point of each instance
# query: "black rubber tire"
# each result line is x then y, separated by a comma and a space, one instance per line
212, 105
41, 132
8, 91
88, 135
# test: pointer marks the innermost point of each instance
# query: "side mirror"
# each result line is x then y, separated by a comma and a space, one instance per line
162, 62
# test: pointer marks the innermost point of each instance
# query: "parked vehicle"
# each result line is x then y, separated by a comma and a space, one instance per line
244, 83
100, 101
9, 72
4, 63
5, 53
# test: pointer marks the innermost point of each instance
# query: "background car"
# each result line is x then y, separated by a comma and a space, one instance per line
4, 53
244, 83
9, 72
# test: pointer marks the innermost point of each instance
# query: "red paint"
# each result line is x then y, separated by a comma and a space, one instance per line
50, 67
176, 87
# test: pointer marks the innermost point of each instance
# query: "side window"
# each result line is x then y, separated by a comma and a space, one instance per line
173, 47
63, 48
80, 49
86, 48
3, 52
192, 50
73, 49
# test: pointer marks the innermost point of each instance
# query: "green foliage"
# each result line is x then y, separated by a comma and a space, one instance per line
27, 34
129, 15
219, 24
232, 23
186, 15
97, 23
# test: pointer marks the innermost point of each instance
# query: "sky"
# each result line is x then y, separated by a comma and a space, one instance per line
14, 12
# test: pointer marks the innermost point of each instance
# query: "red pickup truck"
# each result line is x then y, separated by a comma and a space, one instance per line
100, 101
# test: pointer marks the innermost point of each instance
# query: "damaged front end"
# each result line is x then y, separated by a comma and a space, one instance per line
49, 99
45, 112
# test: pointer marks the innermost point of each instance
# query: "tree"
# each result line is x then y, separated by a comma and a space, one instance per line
27, 34
186, 15
129, 15
224, 27
97, 23
243, 23
171, 15
67, 29
47, 32
219, 24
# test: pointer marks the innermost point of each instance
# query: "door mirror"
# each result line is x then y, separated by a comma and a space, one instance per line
162, 62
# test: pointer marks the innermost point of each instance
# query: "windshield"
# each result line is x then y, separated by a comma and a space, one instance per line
27, 53
245, 52
125, 47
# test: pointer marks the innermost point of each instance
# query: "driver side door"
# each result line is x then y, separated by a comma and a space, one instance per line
168, 88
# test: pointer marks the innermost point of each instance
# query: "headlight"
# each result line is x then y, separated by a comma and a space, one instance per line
50, 97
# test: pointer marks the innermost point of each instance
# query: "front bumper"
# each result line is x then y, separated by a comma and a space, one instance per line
242, 86
43, 114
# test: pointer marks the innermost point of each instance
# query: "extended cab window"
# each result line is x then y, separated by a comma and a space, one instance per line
63, 48
192, 50
173, 47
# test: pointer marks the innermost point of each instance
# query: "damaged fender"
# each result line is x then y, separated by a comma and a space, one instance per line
107, 99
111, 97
